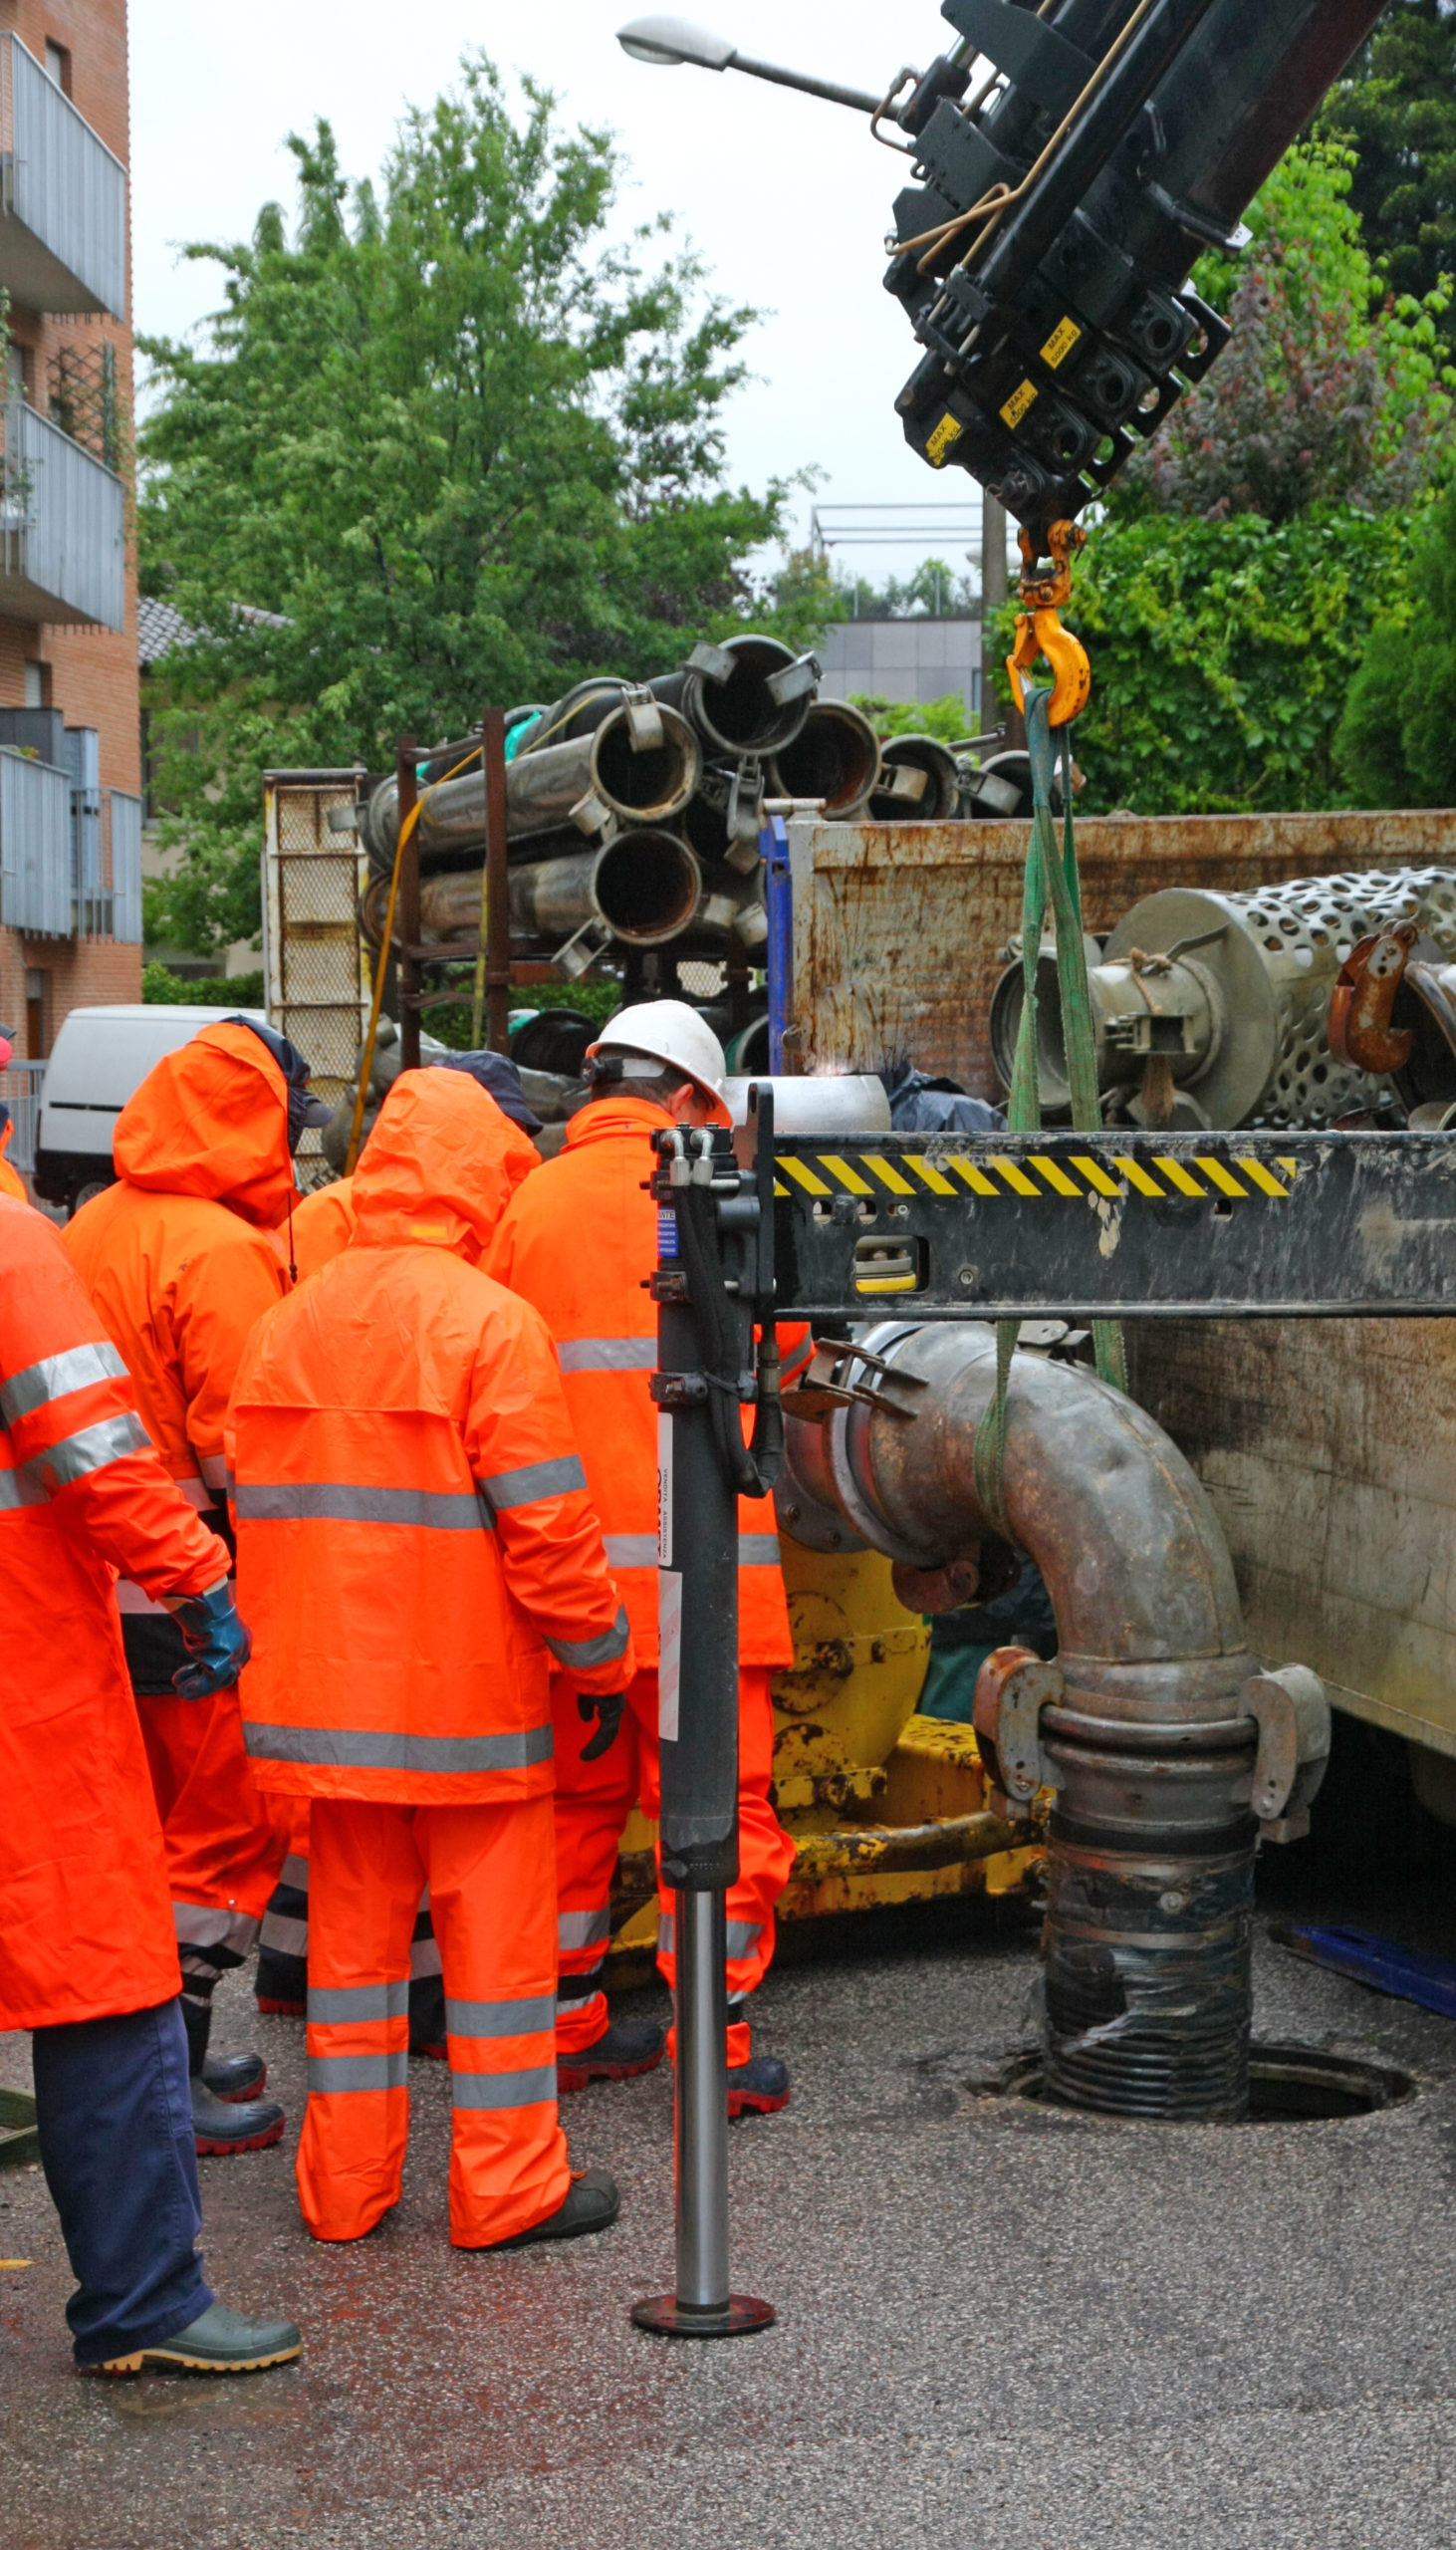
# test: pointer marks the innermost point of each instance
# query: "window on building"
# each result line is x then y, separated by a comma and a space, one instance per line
57, 65
37, 685
36, 1006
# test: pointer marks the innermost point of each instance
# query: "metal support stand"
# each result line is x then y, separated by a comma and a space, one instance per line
697, 1681
783, 1043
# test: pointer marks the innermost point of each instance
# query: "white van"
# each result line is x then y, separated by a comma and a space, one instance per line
98, 1058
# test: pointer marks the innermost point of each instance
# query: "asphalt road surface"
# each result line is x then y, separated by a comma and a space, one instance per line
999, 2324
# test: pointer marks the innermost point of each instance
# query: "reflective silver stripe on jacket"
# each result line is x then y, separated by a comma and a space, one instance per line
500, 2018
609, 1355
56, 1375
583, 1929
368, 1748
502, 2089
335, 1501
579, 1654
74, 1456
284, 1935
349, 2004
640, 1549
533, 1484
329, 2073
209, 1925
631, 1549
214, 1472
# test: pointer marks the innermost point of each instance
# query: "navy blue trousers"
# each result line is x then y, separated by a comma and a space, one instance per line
114, 2112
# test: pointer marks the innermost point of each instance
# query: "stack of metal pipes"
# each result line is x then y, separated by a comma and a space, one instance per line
634, 811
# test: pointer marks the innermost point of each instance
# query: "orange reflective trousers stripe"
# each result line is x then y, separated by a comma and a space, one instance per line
490, 1876
592, 1801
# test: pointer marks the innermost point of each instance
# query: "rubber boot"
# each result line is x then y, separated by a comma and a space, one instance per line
217, 2340
281, 1985
591, 2203
222, 2125
235, 2076
628, 2047
758, 2087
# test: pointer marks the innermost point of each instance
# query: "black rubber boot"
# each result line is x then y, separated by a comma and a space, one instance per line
427, 2016
218, 2341
628, 2047
591, 2203
223, 2127
281, 1985
235, 2076
758, 2087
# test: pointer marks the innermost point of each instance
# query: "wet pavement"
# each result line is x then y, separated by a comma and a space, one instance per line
997, 2323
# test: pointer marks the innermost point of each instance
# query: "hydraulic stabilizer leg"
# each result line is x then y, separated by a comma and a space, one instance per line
698, 1726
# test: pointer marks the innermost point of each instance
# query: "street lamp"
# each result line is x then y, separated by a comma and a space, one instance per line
667, 41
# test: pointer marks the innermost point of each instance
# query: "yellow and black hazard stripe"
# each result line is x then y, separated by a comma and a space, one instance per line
995, 1175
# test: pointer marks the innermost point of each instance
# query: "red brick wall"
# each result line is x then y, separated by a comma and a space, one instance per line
91, 672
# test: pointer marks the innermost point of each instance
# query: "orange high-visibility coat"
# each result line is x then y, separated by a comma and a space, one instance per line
86, 1926
578, 1241
11, 1181
177, 1258
323, 1225
415, 1543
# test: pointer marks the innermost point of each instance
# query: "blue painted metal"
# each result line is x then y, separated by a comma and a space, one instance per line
1376, 1963
779, 902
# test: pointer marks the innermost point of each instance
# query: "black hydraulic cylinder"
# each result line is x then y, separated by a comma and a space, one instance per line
697, 1685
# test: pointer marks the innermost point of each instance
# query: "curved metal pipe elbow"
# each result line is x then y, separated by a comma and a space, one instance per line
1147, 1613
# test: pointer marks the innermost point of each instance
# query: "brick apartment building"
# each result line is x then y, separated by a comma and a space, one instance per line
70, 778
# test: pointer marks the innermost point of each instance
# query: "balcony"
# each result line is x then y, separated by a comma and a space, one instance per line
62, 527
62, 197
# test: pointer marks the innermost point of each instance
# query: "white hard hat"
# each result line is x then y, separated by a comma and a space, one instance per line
674, 1036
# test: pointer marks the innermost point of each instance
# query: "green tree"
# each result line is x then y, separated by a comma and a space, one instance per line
1395, 110
1221, 653
1332, 391
442, 444
1397, 742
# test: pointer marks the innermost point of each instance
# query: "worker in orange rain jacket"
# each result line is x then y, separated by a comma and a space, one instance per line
323, 1225
415, 1543
11, 1181
580, 1241
87, 1960
179, 1263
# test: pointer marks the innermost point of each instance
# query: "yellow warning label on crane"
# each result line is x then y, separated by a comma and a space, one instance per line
1060, 343
1018, 403
947, 432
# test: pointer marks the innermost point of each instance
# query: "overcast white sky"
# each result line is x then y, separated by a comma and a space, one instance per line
786, 197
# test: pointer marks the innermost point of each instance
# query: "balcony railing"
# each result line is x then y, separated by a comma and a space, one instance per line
20, 1091
63, 196
62, 526
126, 866
36, 853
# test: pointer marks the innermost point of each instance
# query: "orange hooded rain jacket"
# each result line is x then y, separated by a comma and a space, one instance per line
578, 1241
323, 1224
86, 1924
415, 1542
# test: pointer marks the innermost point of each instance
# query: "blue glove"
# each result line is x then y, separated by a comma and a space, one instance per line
215, 1639
607, 1713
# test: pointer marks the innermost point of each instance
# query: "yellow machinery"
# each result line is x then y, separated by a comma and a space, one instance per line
885, 1807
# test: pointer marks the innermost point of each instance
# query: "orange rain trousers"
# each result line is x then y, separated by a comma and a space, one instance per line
490, 1876
593, 1802
225, 1841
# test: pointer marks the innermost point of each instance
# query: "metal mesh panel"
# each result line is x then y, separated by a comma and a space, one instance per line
700, 979
316, 971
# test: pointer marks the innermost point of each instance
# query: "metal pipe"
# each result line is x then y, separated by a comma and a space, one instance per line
645, 888
591, 781
908, 755
702, 2104
745, 697
1150, 1744
834, 757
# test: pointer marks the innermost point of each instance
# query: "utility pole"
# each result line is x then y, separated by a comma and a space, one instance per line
993, 596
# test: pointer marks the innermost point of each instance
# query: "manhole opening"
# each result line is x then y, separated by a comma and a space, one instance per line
1287, 2084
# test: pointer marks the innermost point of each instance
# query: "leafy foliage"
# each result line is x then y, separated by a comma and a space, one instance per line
442, 445
206, 991
943, 718
935, 591
1396, 743
1221, 655
1395, 110
1330, 393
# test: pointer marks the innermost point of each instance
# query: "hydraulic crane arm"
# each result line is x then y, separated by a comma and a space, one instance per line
1044, 250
